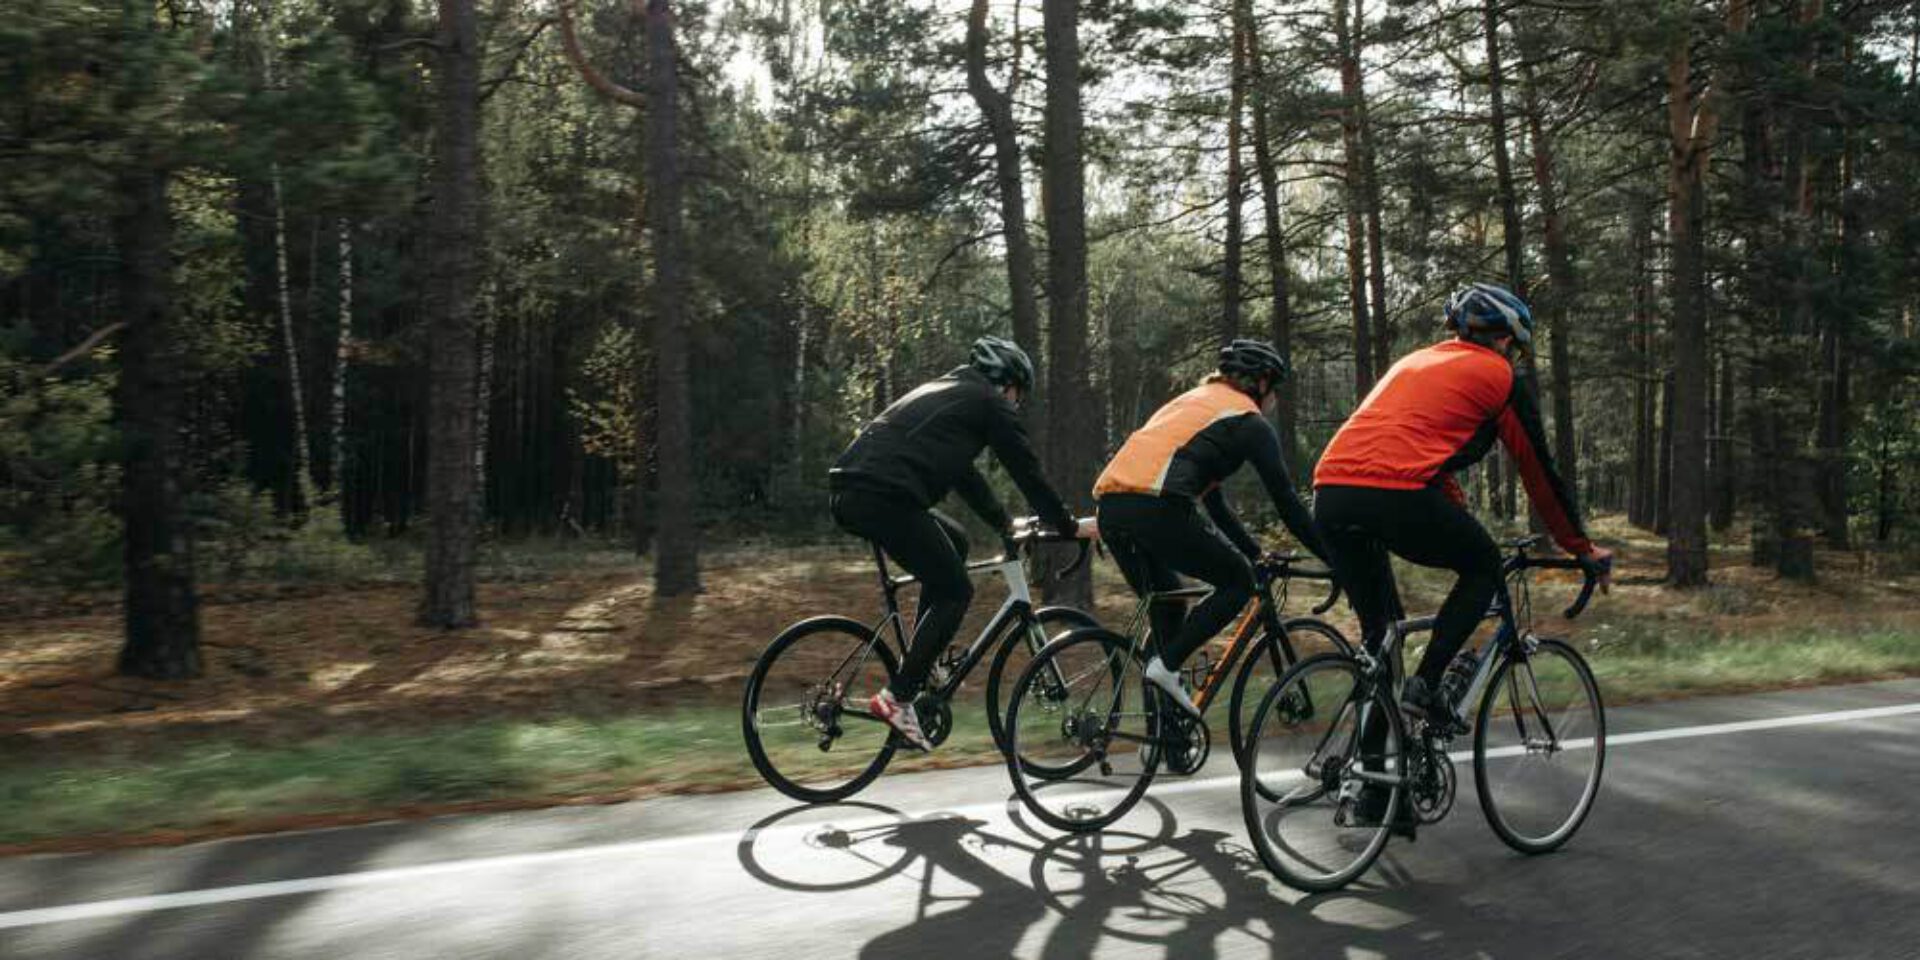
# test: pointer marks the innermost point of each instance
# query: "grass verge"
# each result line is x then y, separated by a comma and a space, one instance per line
214, 787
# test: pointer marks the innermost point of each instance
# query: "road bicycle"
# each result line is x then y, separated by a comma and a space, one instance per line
1086, 734
1333, 727
804, 712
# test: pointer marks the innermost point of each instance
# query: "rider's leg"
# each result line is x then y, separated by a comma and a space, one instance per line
1170, 534
922, 546
1120, 516
1433, 531
1347, 518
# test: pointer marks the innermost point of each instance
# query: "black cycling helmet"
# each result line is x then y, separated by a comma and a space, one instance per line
1252, 358
1489, 306
1003, 363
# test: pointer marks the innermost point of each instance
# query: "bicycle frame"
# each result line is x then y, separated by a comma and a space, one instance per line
1018, 607
1261, 614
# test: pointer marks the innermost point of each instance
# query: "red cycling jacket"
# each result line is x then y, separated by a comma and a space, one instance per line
1437, 411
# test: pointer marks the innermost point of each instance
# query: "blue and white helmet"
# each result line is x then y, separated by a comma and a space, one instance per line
1489, 306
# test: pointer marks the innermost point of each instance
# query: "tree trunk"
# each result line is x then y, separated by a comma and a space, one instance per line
297, 495
1642, 496
1663, 482
1563, 293
997, 108
1230, 272
162, 610
1380, 322
453, 511
677, 569
1726, 478
1280, 322
1073, 434
1835, 352
343, 338
1512, 233
1354, 177
1691, 128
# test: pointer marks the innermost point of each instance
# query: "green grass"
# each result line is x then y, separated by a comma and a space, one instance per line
694, 748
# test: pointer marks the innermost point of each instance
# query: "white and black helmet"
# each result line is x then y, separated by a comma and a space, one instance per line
1003, 363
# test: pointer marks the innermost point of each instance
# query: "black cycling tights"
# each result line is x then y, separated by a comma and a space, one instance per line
1362, 524
1153, 539
928, 545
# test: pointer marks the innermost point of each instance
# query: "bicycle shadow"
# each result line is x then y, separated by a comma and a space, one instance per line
992, 892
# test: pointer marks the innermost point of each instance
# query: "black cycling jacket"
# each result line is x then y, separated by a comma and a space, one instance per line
925, 443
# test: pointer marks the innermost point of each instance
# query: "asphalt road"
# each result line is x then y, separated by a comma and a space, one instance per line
1790, 833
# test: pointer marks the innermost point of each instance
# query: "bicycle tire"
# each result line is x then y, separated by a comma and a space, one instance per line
751, 707
1030, 775
1284, 747
1503, 810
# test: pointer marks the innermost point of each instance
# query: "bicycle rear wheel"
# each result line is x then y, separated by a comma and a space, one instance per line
1082, 732
1267, 661
1539, 745
1319, 737
804, 713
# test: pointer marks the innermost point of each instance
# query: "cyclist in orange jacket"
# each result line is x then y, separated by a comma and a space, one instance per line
1385, 482
1149, 489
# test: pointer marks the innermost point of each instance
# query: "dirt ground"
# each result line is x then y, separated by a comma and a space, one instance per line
282, 667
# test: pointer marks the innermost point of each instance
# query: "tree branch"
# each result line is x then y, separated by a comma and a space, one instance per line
85, 347
570, 41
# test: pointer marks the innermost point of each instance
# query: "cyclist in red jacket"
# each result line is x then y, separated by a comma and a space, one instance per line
1385, 482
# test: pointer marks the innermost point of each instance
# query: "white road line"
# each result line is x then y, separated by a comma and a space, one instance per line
340, 881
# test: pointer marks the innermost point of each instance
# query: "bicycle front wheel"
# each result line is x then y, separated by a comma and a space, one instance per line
1306, 637
804, 713
1082, 732
1017, 648
1325, 749
1539, 745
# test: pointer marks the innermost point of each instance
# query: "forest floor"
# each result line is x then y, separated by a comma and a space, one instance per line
323, 703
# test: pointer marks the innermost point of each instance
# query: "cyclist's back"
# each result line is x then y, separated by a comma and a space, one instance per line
1385, 482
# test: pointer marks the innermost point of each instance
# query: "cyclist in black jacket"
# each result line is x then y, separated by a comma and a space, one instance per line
885, 485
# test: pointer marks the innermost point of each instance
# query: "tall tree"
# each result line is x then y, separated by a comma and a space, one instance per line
1693, 119
996, 107
1280, 317
1231, 285
1562, 294
677, 566
453, 504
1353, 153
1073, 430
162, 607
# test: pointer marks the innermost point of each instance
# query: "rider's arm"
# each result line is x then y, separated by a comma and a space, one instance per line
973, 488
1008, 438
1229, 525
1262, 448
1524, 436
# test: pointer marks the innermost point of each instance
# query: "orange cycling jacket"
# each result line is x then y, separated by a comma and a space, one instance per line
1439, 410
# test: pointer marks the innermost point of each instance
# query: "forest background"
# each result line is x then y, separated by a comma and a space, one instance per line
327, 326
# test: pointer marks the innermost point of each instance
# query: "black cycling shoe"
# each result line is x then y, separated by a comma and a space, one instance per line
1370, 810
1419, 700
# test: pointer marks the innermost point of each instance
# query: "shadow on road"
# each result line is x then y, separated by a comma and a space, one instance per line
980, 892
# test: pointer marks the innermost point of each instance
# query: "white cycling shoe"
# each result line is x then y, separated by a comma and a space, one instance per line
901, 717
1168, 682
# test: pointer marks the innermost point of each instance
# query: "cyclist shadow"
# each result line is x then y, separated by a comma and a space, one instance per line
1189, 892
